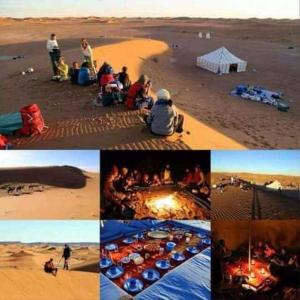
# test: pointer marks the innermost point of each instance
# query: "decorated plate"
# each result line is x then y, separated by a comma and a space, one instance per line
206, 241
129, 240
201, 235
111, 247
158, 234
133, 285
192, 249
114, 272
134, 255
105, 263
163, 264
151, 275
151, 247
139, 235
178, 256
125, 260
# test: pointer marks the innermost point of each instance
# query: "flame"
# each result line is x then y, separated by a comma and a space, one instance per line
164, 203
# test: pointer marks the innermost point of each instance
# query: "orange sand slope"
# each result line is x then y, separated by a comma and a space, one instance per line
22, 275
37, 285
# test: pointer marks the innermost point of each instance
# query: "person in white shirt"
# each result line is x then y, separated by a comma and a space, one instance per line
87, 53
54, 52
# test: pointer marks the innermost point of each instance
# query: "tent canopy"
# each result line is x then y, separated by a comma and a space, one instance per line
221, 61
276, 185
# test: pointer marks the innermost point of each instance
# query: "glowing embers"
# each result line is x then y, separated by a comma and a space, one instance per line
167, 203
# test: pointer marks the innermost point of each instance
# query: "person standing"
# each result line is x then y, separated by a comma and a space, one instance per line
66, 255
88, 54
54, 52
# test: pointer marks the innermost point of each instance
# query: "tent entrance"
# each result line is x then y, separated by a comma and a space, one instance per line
233, 68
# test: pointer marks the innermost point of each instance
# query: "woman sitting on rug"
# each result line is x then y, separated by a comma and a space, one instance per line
163, 118
137, 96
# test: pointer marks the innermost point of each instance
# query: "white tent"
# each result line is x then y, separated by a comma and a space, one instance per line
221, 61
275, 185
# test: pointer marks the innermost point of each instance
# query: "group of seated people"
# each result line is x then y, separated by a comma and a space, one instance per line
121, 185
283, 264
160, 116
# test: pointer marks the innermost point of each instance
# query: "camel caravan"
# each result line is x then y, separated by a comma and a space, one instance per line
14, 189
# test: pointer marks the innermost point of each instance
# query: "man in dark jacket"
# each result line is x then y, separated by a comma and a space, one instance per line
66, 255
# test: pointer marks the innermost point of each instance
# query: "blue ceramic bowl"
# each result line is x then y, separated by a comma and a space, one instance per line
111, 247
192, 250
105, 263
151, 275
170, 246
133, 285
178, 256
114, 272
139, 235
129, 240
201, 235
206, 241
163, 264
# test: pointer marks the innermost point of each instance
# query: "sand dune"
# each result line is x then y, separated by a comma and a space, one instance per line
79, 190
59, 176
22, 275
36, 285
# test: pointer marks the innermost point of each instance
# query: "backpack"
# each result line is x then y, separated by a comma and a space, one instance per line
3, 142
33, 122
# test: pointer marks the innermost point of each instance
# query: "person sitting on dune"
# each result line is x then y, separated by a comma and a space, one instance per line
49, 267
105, 75
137, 96
84, 78
163, 118
111, 95
62, 70
123, 77
74, 72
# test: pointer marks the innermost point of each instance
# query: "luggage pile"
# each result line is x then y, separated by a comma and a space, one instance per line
26, 122
260, 94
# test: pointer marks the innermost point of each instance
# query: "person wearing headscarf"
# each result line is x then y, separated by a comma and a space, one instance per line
163, 118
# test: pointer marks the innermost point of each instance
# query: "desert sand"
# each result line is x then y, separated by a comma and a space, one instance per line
22, 275
49, 193
214, 119
257, 202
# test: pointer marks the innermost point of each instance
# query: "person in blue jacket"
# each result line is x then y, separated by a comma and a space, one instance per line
84, 77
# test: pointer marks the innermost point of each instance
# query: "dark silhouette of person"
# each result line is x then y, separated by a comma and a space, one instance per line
49, 267
66, 255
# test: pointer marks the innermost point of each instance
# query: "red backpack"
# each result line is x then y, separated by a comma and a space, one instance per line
3, 142
33, 122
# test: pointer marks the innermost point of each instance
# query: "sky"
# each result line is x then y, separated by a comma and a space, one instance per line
87, 160
49, 231
279, 162
154, 8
